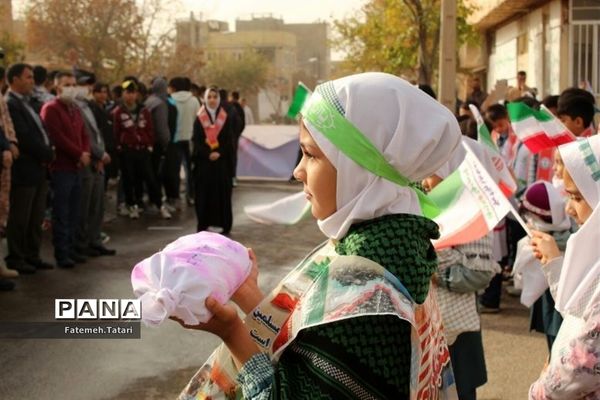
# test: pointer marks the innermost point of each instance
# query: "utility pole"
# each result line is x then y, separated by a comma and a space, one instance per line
447, 67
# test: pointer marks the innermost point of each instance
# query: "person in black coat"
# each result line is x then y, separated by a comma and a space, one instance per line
29, 176
99, 108
213, 164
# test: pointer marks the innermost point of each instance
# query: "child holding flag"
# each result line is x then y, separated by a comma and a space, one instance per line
543, 207
463, 270
356, 319
574, 280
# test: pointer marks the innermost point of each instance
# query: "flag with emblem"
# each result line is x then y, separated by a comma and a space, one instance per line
506, 181
537, 129
472, 204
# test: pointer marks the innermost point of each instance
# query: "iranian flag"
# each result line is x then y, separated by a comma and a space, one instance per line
472, 204
506, 181
538, 129
301, 94
286, 211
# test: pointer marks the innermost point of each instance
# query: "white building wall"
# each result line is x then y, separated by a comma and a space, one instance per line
544, 33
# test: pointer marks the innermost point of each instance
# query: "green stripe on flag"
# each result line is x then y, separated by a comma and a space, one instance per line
520, 111
448, 191
483, 134
300, 96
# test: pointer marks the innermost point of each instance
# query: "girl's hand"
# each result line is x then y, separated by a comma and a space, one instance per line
227, 325
248, 295
214, 156
544, 247
223, 323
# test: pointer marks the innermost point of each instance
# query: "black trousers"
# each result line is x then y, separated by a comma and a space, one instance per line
171, 168
136, 169
186, 159
24, 226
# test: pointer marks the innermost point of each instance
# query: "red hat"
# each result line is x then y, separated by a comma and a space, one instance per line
537, 201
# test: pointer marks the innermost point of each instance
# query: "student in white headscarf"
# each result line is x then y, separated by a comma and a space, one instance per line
574, 369
463, 271
365, 139
543, 207
212, 160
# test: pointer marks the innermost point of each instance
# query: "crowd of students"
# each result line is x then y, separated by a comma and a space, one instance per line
63, 135
549, 207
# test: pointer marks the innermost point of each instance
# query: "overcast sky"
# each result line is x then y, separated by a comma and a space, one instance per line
229, 10
291, 11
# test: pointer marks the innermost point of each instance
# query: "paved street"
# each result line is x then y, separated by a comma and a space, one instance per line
158, 365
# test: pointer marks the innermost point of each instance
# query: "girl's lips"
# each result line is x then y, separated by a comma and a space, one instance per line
308, 196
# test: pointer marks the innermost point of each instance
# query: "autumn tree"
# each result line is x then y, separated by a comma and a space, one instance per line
110, 37
397, 36
247, 73
14, 51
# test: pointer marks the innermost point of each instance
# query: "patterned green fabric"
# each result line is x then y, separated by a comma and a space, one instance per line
376, 351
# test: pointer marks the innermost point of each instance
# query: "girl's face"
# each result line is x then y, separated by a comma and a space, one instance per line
212, 99
577, 207
431, 182
558, 166
318, 175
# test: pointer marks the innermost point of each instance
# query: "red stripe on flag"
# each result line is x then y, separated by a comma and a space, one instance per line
473, 229
540, 141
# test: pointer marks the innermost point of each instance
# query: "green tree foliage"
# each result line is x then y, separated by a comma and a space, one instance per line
397, 36
13, 50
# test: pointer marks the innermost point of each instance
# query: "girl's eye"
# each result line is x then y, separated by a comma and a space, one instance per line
575, 197
307, 154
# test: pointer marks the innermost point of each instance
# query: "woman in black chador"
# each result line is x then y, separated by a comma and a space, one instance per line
213, 164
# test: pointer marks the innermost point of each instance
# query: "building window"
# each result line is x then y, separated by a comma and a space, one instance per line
585, 10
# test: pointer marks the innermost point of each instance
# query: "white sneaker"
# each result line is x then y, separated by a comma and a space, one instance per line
134, 212
7, 273
122, 210
164, 212
152, 210
170, 207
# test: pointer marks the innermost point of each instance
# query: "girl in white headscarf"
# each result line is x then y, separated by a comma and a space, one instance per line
543, 207
574, 369
212, 160
464, 270
340, 325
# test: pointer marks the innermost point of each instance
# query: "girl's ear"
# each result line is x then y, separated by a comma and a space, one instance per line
579, 122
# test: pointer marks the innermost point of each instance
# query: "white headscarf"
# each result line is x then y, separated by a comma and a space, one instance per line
212, 111
415, 134
579, 283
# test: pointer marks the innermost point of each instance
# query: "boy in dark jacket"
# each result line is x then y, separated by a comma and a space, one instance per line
134, 135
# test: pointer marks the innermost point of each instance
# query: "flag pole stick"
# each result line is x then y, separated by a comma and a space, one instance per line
520, 220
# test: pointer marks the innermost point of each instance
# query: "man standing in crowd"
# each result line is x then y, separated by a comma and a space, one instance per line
477, 95
29, 173
235, 103
99, 106
6, 284
156, 103
9, 139
67, 131
88, 238
248, 115
40, 95
521, 89
187, 111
